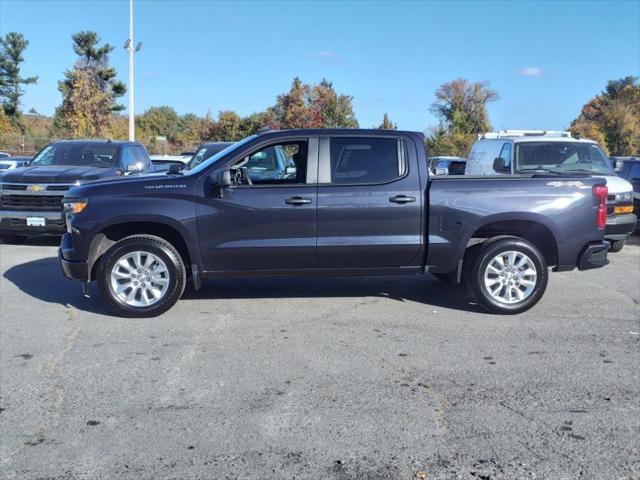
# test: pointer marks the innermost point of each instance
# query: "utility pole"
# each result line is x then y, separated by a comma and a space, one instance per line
132, 118
129, 45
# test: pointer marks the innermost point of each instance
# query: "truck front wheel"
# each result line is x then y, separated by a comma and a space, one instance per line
141, 276
507, 275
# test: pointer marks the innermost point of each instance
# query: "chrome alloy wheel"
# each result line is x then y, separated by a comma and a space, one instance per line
139, 279
510, 277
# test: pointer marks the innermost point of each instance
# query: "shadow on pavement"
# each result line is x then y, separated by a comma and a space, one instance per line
43, 280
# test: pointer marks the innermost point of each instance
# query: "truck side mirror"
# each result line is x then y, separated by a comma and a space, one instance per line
500, 165
219, 180
134, 167
224, 179
618, 166
175, 168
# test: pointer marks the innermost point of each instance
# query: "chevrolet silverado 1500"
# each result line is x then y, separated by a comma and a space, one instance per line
352, 202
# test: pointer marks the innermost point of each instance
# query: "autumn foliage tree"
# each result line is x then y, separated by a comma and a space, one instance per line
461, 107
312, 106
89, 91
613, 117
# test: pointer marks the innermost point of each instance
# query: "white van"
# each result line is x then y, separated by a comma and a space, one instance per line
526, 152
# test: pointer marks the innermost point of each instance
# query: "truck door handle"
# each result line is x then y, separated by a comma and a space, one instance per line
402, 199
297, 201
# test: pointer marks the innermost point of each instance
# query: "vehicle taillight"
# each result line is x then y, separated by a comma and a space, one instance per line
601, 192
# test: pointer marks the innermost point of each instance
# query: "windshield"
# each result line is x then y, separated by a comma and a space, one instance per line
205, 153
214, 158
77, 154
561, 157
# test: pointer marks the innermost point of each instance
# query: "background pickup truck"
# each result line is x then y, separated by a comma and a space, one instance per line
31, 196
354, 202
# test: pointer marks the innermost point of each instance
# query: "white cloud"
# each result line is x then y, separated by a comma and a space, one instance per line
530, 71
322, 54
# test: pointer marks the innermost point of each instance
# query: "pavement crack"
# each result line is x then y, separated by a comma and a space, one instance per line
52, 365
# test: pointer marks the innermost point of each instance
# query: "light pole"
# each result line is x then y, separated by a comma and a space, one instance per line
129, 46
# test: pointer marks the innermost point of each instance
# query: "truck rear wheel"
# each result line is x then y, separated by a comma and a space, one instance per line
507, 275
141, 276
616, 246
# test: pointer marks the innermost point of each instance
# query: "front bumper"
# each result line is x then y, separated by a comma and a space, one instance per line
594, 255
620, 227
75, 270
14, 222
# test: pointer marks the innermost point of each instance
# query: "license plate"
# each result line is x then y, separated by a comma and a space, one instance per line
35, 222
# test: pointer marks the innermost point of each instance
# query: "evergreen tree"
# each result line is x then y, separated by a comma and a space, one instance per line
12, 47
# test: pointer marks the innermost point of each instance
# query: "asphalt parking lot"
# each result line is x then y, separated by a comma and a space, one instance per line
339, 378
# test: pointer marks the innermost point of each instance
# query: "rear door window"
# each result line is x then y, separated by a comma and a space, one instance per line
365, 160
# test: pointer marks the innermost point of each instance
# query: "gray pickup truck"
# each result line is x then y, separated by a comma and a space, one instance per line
31, 195
354, 202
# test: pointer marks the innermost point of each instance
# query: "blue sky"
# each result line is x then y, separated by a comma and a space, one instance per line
546, 59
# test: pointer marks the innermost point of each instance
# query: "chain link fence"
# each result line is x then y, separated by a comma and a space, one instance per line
19, 144
25, 144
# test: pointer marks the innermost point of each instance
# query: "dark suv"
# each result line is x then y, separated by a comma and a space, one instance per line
31, 196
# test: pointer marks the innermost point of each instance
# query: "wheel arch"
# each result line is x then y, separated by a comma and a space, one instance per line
533, 228
116, 230
537, 232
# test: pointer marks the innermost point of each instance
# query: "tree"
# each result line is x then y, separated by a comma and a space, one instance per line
312, 106
85, 110
158, 122
463, 105
462, 109
387, 124
335, 111
12, 47
89, 91
613, 117
292, 109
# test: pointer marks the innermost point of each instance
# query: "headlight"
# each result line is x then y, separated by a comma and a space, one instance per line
75, 206
624, 197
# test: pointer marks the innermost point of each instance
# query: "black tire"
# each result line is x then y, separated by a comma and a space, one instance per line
145, 243
13, 239
474, 270
616, 246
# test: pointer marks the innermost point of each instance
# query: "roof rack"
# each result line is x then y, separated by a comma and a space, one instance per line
524, 133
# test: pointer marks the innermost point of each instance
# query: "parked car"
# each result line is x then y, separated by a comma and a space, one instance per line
4, 155
9, 163
162, 163
448, 165
360, 202
629, 169
206, 151
31, 196
515, 152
